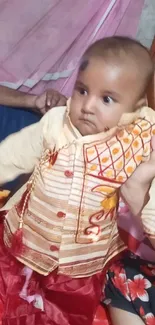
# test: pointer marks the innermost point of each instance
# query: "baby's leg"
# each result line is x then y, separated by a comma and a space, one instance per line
130, 291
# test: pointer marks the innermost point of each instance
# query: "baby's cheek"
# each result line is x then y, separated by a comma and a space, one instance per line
107, 120
74, 117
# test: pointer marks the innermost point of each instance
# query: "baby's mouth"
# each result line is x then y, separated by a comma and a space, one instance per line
86, 120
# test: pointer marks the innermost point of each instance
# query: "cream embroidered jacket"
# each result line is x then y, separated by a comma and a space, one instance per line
70, 216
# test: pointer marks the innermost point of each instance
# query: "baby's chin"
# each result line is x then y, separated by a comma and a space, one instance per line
86, 128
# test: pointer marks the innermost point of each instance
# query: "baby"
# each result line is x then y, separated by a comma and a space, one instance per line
59, 235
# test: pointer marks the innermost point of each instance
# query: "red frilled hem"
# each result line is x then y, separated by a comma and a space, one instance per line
65, 301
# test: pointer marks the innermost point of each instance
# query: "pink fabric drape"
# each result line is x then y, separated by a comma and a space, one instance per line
41, 41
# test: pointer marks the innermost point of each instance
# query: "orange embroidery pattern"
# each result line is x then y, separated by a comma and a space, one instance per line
112, 163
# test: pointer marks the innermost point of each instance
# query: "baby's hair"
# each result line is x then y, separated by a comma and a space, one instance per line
119, 48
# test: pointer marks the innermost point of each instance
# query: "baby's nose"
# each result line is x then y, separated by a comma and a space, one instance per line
89, 105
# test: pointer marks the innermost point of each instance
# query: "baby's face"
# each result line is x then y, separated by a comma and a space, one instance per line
103, 92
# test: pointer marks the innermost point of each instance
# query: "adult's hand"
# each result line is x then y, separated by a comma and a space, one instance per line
49, 99
135, 191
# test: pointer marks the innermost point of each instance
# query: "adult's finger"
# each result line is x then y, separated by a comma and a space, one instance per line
62, 101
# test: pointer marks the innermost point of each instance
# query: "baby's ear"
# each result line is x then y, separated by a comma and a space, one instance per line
142, 102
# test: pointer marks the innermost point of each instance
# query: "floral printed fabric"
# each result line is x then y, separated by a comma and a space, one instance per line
130, 285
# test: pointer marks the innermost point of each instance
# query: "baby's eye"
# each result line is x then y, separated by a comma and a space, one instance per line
82, 91
107, 100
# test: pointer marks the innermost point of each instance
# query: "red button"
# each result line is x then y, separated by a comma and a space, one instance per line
54, 248
68, 173
61, 214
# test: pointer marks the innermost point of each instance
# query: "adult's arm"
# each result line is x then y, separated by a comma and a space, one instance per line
37, 103
16, 98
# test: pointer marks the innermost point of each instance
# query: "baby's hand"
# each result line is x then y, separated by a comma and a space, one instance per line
135, 191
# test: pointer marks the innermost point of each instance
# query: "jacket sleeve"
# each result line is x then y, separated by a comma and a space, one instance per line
20, 152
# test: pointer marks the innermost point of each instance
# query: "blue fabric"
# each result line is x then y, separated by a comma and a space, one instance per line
13, 120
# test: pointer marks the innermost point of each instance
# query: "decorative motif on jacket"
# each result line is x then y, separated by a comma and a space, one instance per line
110, 164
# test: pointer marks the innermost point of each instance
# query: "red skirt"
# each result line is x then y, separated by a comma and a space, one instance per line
27, 298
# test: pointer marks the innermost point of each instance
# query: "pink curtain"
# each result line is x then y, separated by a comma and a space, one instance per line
41, 41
